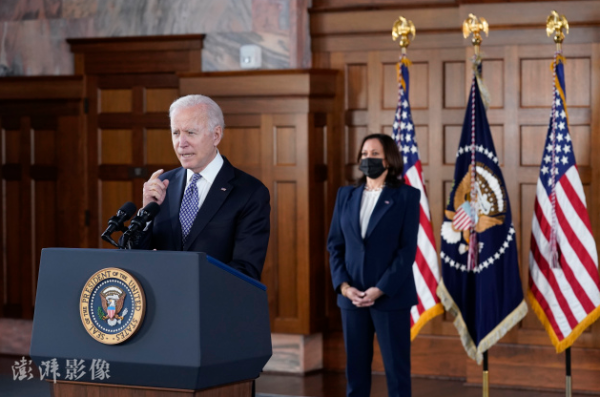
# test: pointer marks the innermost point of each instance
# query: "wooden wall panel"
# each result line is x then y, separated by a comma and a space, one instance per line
116, 146
492, 71
40, 181
419, 79
160, 99
577, 80
517, 74
45, 229
582, 144
242, 146
10, 152
285, 146
114, 194
13, 284
531, 149
357, 86
115, 101
44, 147
455, 93
390, 88
451, 140
286, 197
159, 147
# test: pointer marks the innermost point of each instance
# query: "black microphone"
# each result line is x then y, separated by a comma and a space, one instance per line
138, 224
116, 222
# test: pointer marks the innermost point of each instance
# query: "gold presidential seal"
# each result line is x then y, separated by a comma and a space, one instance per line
112, 306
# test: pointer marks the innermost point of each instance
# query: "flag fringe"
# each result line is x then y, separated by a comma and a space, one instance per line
459, 323
424, 318
476, 352
575, 333
502, 329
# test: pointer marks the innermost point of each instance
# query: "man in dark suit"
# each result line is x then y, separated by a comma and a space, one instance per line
207, 205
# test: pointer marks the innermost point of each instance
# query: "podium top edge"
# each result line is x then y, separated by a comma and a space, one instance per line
210, 259
237, 273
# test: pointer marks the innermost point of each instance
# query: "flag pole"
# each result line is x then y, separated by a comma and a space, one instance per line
474, 25
568, 385
554, 26
486, 376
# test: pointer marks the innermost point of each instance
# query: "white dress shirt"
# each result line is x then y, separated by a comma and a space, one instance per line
367, 204
208, 177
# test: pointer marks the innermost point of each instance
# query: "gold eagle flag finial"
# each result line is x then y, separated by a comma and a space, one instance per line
401, 29
475, 25
555, 24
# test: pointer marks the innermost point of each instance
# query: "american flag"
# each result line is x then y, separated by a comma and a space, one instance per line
425, 267
565, 294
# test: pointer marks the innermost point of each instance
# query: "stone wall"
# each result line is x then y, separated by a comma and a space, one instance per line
33, 32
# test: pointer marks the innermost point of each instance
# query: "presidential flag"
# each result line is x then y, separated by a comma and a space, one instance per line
425, 267
564, 287
480, 272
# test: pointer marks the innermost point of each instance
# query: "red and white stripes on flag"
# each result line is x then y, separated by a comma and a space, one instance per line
425, 267
462, 220
565, 295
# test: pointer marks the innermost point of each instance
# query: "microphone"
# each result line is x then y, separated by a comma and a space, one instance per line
116, 222
138, 223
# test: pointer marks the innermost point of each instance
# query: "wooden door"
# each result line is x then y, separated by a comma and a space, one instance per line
128, 139
41, 181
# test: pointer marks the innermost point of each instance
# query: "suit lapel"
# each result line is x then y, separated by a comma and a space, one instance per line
175, 195
218, 192
384, 203
354, 209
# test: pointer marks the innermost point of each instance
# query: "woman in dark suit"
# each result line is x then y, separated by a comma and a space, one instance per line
372, 244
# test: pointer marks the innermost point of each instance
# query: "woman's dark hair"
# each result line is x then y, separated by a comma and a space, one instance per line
392, 157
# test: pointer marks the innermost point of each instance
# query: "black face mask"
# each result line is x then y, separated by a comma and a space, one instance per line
372, 167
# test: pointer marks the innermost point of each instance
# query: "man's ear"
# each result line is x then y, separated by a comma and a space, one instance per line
218, 135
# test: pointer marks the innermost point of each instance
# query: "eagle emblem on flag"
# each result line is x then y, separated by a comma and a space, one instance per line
490, 208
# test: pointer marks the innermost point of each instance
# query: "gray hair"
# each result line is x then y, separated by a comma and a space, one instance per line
213, 111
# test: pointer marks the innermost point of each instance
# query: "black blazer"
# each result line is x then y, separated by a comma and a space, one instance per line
233, 224
385, 257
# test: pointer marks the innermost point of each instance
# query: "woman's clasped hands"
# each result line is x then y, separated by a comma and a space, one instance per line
361, 298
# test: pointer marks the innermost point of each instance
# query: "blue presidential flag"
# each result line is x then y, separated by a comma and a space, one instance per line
480, 272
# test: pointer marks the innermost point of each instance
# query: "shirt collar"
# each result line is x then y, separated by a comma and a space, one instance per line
210, 172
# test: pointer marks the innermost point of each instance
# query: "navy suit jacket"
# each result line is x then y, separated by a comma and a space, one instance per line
384, 258
233, 224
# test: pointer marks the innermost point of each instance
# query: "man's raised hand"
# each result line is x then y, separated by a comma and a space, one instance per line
155, 190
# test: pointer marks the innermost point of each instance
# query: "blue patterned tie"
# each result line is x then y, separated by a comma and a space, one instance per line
189, 206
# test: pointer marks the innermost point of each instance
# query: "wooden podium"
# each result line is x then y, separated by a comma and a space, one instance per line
205, 330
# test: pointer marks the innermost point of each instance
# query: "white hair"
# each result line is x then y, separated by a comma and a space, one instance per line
213, 111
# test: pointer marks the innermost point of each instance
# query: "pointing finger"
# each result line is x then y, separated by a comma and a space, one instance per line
156, 174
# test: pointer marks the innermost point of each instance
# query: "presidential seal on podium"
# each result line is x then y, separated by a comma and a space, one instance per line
112, 306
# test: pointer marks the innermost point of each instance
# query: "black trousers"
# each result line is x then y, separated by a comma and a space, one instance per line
393, 333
